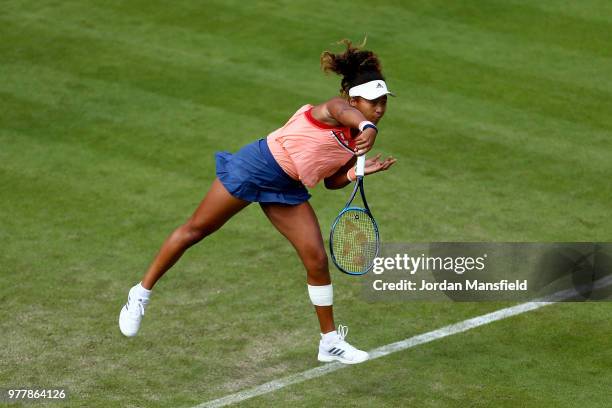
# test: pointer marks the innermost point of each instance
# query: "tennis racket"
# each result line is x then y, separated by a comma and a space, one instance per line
354, 242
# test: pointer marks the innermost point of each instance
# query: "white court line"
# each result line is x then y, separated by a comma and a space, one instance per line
401, 345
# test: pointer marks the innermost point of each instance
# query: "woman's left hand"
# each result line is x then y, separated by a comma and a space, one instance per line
374, 165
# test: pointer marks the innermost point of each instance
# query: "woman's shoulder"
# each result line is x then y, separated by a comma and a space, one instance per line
322, 111
335, 100
303, 109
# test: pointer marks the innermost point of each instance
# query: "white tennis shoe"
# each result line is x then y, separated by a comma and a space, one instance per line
132, 312
339, 350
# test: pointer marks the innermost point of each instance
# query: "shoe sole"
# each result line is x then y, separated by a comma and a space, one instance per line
329, 359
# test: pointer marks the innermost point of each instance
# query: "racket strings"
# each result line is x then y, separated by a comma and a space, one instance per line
354, 241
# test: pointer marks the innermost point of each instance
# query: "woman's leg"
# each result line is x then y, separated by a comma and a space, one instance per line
216, 208
299, 224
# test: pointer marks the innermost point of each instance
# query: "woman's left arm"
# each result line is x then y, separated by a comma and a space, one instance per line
339, 179
346, 174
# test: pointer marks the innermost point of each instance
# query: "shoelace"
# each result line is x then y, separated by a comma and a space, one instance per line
342, 332
138, 306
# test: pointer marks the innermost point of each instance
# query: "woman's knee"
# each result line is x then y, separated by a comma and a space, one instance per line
317, 263
191, 233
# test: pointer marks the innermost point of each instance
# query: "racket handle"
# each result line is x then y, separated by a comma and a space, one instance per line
360, 168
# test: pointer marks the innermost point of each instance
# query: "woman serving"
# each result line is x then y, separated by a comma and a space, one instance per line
317, 143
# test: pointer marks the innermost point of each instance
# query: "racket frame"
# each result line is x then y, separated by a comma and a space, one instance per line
359, 172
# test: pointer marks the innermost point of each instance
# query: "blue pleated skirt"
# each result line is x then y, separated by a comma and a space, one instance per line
252, 174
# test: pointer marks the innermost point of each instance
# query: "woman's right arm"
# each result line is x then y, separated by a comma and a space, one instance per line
343, 113
337, 111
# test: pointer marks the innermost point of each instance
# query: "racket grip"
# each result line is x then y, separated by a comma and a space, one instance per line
360, 168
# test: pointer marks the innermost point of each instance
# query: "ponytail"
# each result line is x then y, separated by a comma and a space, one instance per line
356, 66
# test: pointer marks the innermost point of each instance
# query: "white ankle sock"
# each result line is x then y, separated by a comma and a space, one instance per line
142, 292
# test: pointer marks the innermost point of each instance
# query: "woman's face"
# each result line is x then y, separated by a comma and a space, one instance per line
373, 110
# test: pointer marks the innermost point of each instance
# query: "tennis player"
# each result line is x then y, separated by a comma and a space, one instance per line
317, 143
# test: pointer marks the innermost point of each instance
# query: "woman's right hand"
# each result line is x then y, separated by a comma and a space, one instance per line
365, 141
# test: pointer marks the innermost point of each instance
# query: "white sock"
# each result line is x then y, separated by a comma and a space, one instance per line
142, 292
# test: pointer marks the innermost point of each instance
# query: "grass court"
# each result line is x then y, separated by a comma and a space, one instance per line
110, 113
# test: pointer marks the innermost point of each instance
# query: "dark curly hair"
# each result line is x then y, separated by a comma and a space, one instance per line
356, 66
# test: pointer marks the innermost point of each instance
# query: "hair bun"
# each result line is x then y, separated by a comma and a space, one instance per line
354, 65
